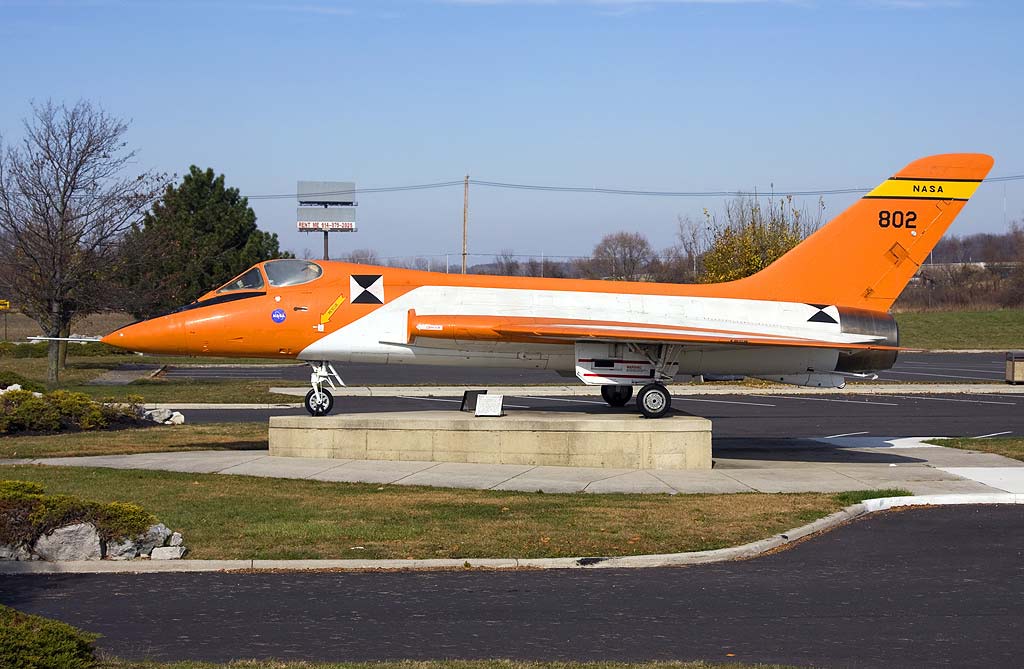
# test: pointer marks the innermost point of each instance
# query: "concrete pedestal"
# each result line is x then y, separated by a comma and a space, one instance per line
524, 438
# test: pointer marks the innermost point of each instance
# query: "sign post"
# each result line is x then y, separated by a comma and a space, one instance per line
5, 306
326, 206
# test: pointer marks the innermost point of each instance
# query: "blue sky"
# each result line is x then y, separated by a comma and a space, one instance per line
668, 95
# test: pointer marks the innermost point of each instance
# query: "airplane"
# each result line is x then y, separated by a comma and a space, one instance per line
815, 317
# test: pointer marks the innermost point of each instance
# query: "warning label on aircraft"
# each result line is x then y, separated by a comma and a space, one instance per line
326, 316
367, 288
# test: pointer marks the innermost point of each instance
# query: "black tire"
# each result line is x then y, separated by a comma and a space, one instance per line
616, 396
322, 408
654, 400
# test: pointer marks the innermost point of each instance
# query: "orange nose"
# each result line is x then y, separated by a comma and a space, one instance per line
165, 334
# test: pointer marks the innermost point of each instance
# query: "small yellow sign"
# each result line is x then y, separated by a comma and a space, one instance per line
326, 316
5, 304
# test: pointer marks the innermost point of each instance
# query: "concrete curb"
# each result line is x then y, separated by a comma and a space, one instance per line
744, 552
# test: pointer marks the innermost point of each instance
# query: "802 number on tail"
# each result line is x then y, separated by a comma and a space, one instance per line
897, 219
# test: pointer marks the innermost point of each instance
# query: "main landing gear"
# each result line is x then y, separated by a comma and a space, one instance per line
319, 400
653, 400
616, 396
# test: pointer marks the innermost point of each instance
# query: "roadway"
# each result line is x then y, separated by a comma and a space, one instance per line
937, 587
923, 367
741, 417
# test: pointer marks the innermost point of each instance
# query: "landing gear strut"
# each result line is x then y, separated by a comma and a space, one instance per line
319, 400
616, 396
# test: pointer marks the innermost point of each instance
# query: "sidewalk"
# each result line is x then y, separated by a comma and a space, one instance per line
822, 465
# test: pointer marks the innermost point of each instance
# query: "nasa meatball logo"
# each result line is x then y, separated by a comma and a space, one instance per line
277, 315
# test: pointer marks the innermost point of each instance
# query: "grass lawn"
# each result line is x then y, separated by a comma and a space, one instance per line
1010, 447
242, 517
213, 436
439, 664
999, 329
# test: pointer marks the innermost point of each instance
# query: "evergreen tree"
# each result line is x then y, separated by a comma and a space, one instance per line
199, 235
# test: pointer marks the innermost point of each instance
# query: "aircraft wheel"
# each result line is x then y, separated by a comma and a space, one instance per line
653, 400
616, 396
319, 405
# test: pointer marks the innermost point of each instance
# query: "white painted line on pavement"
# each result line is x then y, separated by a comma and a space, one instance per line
458, 401
825, 399
845, 434
941, 376
950, 399
994, 434
750, 404
994, 370
556, 399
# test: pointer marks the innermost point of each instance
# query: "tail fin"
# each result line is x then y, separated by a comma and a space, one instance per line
865, 256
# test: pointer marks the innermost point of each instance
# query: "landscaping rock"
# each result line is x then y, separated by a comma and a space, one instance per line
175, 419
14, 553
74, 542
154, 537
167, 553
122, 550
176, 539
158, 415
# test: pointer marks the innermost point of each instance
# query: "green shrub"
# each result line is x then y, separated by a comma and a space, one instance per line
26, 514
55, 511
16, 509
41, 349
21, 411
120, 520
8, 378
78, 410
34, 350
34, 642
23, 487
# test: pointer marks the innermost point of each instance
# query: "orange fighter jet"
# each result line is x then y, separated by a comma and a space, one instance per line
815, 317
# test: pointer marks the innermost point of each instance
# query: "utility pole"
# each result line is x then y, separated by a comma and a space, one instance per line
465, 221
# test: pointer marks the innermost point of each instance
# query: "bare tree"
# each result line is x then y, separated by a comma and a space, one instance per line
362, 257
64, 206
621, 255
507, 264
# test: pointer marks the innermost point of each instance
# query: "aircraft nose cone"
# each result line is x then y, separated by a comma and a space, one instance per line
164, 334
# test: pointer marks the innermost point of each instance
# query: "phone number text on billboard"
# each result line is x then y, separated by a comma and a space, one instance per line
329, 226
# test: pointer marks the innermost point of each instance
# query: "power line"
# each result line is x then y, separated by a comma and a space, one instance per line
597, 189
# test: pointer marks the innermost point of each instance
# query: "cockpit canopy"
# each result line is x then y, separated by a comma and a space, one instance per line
289, 272
280, 273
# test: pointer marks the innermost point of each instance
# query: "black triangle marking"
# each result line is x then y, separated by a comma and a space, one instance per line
365, 280
817, 306
366, 297
821, 317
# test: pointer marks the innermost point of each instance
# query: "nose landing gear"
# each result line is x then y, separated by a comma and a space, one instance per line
319, 400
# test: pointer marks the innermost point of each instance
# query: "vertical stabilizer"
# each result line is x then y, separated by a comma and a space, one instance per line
865, 256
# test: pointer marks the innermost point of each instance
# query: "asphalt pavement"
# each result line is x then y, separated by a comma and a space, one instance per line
742, 418
938, 587
922, 367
